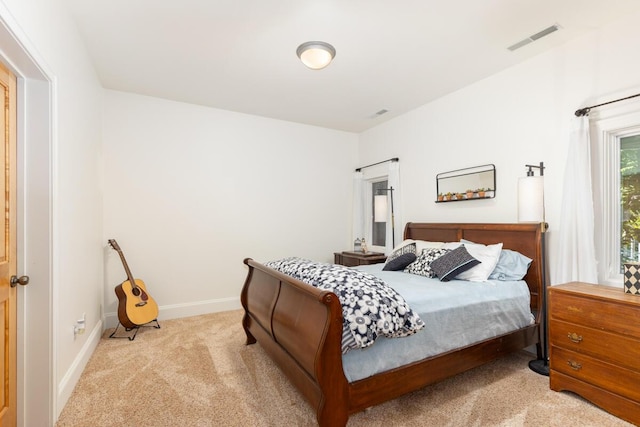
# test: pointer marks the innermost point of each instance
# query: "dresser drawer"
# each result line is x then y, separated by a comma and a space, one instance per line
597, 313
613, 348
350, 262
353, 259
616, 379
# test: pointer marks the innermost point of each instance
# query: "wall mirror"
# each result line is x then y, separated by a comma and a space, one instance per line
475, 183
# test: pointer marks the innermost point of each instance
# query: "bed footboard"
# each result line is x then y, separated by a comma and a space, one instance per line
300, 327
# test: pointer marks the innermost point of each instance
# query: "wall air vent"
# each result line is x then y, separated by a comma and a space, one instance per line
534, 37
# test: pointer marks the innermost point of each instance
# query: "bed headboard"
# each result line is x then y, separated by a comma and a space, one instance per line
528, 239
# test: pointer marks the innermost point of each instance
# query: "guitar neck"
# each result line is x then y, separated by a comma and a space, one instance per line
126, 269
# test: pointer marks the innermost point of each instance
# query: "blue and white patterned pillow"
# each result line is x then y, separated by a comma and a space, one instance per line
401, 257
449, 265
422, 265
400, 262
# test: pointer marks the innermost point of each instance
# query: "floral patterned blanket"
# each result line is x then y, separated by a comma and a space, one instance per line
370, 307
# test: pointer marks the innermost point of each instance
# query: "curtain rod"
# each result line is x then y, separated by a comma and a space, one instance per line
584, 111
394, 159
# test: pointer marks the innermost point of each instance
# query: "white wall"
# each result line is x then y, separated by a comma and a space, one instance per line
191, 191
520, 116
50, 36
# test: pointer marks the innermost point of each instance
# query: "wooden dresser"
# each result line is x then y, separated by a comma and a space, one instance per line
594, 346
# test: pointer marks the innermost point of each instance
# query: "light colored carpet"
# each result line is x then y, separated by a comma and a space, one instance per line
197, 372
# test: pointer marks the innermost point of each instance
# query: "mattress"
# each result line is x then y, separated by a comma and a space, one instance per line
456, 314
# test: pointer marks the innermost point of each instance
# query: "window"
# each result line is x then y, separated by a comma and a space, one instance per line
616, 160
377, 180
629, 199
379, 229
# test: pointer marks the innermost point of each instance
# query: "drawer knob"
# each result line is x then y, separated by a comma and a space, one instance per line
574, 337
574, 365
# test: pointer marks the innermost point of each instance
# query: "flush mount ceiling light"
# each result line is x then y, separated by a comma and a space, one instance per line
316, 55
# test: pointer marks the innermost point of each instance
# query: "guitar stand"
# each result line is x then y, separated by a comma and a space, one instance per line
135, 328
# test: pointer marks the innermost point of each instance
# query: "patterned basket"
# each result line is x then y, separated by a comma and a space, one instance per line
632, 278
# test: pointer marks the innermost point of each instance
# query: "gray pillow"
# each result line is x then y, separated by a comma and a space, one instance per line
454, 262
400, 262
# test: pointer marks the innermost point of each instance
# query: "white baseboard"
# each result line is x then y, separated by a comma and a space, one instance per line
176, 311
70, 379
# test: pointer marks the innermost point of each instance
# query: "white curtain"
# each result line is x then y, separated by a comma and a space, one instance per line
394, 182
576, 259
357, 228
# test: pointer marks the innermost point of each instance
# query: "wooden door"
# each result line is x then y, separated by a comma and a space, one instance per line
8, 252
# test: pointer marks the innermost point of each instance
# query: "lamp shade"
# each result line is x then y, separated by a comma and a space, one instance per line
380, 208
531, 199
316, 55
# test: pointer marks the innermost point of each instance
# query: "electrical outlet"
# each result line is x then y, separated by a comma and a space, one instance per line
79, 327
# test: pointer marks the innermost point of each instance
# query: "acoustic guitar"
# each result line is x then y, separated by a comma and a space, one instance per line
135, 305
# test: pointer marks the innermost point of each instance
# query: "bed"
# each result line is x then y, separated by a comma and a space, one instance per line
301, 327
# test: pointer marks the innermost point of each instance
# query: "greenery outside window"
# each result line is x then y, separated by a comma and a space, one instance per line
616, 166
629, 199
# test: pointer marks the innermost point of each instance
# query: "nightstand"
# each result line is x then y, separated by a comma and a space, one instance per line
594, 346
351, 259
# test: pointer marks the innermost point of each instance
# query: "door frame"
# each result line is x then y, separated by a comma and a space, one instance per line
36, 142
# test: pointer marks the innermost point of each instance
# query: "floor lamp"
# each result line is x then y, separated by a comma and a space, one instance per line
380, 209
531, 209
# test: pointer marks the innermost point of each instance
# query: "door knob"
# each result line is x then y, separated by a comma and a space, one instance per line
15, 280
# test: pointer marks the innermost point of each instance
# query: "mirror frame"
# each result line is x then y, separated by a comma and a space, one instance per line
473, 178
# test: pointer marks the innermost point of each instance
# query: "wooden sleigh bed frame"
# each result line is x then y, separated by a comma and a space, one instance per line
300, 327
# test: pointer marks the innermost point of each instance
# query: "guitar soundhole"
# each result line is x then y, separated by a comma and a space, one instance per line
136, 291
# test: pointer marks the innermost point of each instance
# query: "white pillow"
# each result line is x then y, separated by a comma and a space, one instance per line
420, 245
488, 257
423, 244
451, 245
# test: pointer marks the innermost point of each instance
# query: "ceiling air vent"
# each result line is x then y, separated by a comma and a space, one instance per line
534, 37
378, 113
